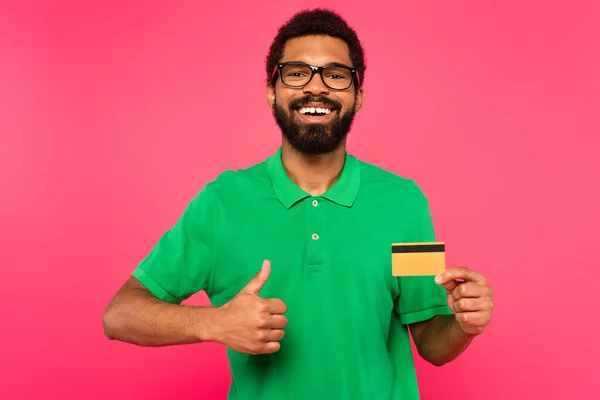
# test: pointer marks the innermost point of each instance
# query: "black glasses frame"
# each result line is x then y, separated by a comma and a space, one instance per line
355, 78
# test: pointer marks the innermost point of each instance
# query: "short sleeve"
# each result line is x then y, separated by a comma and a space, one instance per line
181, 262
420, 297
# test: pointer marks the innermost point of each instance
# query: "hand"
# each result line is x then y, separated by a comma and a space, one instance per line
469, 297
250, 324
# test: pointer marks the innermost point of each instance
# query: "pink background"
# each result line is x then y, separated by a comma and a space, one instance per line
114, 114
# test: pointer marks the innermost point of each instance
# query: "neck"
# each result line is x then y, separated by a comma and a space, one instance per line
315, 174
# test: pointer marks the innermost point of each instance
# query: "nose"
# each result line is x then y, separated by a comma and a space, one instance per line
316, 86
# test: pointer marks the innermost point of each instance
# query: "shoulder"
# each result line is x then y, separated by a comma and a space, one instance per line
238, 182
377, 179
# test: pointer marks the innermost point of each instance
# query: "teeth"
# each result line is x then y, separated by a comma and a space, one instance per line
314, 110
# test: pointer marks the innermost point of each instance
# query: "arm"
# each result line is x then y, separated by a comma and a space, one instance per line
136, 316
444, 315
443, 338
247, 323
440, 339
147, 309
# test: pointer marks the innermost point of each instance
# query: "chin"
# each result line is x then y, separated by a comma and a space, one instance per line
315, 145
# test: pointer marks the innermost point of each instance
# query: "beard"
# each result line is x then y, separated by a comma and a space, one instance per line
313, 139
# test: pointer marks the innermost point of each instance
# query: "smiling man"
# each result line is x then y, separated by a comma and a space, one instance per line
295, 251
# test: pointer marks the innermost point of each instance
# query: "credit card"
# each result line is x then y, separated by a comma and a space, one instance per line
418, 259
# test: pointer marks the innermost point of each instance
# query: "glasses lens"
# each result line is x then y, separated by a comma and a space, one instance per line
296, 75
299, 75
337, 77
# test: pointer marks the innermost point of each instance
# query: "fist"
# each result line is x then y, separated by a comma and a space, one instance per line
469, 297
249, 323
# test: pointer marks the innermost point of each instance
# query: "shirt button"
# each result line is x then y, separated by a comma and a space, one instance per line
315, 236
315, 203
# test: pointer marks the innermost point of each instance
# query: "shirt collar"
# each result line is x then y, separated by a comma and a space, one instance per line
343, 192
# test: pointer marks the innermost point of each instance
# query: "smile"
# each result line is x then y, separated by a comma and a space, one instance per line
314, 111
316, 115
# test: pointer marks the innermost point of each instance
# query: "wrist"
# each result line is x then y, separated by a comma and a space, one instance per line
459, 334
205, 326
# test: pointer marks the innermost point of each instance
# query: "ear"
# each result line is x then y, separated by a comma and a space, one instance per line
358, 99
270, 95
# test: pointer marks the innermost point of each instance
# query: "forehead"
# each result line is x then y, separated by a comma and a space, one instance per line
317, 50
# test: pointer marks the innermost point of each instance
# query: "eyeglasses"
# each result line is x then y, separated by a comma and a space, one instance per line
298, 74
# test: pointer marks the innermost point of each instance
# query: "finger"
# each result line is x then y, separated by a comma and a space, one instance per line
448, 278
256, 284
270, 347
470, 289
276, 306
274, 335
472, 305
473, 318
278, 322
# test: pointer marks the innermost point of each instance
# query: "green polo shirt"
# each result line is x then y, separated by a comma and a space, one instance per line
347, 334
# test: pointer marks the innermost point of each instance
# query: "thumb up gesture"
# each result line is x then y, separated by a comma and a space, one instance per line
250, 324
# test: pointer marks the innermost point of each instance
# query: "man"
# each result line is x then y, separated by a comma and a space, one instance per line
295, 251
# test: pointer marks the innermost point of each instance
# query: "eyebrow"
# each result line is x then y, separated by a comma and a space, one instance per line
330, 64
337, 64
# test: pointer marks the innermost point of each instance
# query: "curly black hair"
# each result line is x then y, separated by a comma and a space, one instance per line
317, 22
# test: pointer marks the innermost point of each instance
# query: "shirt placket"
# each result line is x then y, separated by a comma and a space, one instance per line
314, 234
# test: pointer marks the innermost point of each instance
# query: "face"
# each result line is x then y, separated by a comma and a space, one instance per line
325, 129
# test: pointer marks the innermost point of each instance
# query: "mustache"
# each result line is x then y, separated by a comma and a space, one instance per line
302, 101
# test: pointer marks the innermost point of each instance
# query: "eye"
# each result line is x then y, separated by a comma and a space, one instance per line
297, 74
335, 73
